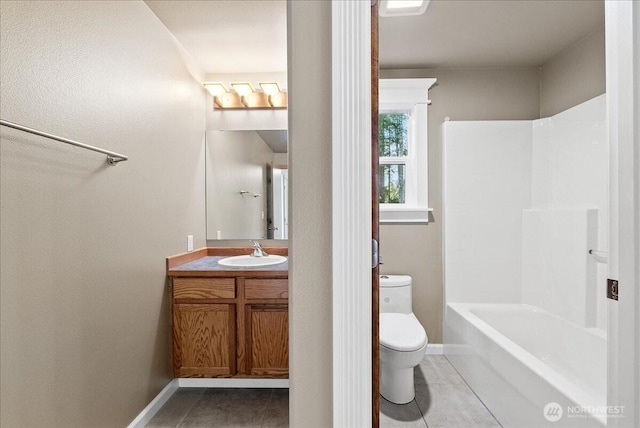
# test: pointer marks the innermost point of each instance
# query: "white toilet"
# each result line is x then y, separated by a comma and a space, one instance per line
403, 341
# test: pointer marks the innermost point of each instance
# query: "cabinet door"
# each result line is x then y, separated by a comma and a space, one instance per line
267, 338
204, 340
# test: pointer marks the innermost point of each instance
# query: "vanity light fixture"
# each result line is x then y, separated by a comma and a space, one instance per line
222, 97
243, 88
389, 8
250, 97
277, 97
215, 88
256, 100
270, 88
230, 99
278, 100
244, 96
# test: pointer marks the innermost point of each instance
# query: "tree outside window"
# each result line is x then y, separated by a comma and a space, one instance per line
394, 149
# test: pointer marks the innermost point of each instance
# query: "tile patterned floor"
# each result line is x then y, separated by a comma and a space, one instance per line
224, 407
443, 400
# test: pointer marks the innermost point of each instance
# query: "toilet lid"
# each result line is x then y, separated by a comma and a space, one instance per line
401, 332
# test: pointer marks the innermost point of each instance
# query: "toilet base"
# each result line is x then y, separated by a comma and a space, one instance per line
396, 384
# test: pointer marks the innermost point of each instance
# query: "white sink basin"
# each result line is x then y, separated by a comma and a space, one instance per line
250, 261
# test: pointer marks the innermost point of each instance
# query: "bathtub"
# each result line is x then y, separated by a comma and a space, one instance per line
519, 358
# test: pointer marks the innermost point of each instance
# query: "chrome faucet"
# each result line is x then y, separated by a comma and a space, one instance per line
257, 249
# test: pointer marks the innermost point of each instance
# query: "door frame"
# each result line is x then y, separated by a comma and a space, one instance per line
351, 213
622, 29
375, 216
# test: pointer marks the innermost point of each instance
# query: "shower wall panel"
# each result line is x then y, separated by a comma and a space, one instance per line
558, 274
487, 170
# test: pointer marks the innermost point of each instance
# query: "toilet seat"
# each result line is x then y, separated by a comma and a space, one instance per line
401, 332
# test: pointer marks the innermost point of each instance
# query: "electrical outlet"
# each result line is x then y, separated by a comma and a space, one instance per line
189, 242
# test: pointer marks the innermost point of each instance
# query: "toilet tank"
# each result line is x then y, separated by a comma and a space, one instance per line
395, 294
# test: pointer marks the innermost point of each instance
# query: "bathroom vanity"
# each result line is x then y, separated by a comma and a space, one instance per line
228, 322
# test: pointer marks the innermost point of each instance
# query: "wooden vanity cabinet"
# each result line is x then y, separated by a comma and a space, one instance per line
230, 327
204, 340
266, 327
267, 330
204, 327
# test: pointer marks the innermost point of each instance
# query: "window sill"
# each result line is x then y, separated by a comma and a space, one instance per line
404, 215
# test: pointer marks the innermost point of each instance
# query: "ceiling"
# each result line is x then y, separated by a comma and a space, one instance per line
228, 36
481, 33
276, 139
250, 36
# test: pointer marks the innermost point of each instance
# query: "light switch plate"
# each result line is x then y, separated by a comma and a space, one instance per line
189, 242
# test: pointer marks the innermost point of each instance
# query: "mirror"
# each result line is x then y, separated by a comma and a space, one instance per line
246, 184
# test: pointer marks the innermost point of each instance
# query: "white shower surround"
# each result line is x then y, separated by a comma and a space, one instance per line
524, 202
501, 179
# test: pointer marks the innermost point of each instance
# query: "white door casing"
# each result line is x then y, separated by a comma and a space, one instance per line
351, 178
622, 26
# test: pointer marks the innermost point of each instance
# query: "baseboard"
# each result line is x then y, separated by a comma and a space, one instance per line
435, 349
156, 404
232, 383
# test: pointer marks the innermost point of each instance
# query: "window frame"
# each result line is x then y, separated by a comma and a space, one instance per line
409, 96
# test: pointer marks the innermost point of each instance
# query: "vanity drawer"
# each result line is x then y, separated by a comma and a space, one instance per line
204, 288
266, 289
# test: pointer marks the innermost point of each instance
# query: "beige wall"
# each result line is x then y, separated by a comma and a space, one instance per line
84, 305
461, 94
574, 75
310, 274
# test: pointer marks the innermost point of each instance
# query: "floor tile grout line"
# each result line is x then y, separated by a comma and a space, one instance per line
474, 393
421, 414
266, 408
448, 382
424, 419
191, 407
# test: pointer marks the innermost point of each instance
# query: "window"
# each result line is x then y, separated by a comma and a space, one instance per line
394, 149
403, 150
